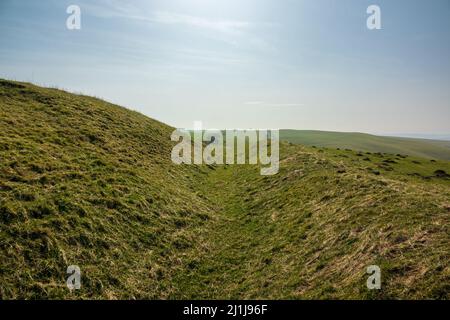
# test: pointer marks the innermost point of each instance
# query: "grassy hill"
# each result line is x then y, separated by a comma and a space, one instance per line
426, 148
89, 183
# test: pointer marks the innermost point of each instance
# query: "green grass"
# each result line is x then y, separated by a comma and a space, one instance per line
311, 231
425, 148
89, 183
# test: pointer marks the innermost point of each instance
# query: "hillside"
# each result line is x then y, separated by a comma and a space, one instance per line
425, 148
89, 183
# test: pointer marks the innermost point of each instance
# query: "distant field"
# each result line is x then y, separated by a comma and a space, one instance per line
434, 149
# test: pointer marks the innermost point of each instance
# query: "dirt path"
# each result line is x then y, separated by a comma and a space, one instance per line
221, 270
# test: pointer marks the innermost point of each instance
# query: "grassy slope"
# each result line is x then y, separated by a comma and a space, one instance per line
365, 142
311, 230
89, 183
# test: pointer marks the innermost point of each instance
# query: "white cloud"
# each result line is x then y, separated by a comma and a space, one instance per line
270, 104
225, 26
233, 32
254, 103
114, 8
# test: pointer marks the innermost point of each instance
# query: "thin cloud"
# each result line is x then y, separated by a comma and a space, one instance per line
116, 9
266, 104
254, 103
285, 105
225, 26
234, 32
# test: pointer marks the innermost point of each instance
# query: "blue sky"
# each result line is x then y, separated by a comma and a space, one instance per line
243, 63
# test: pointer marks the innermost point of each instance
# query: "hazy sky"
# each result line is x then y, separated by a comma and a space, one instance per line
243, 63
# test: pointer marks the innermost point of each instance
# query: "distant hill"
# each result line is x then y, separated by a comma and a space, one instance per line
433, 149
88, 183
